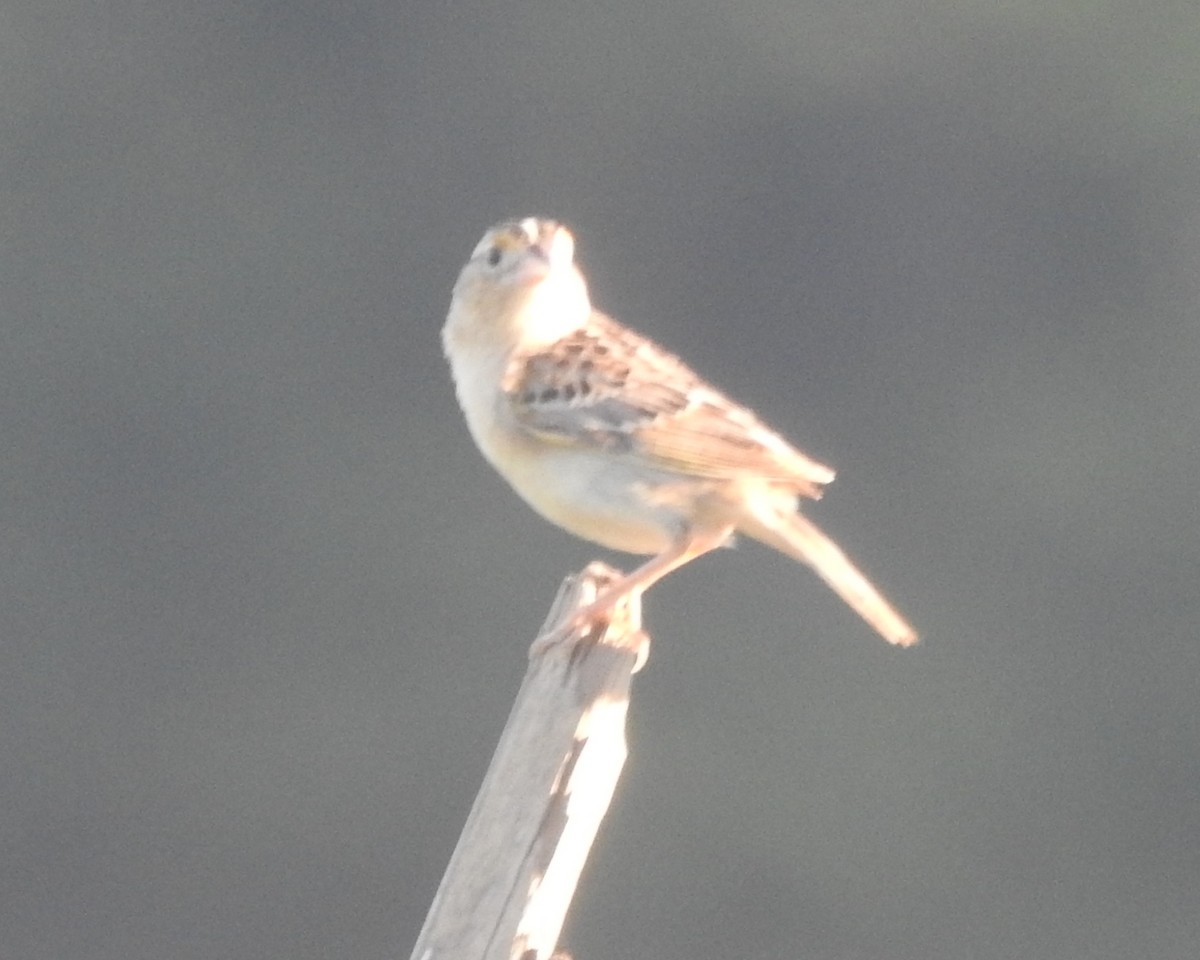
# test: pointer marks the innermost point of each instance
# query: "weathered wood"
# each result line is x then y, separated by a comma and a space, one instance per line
511, 878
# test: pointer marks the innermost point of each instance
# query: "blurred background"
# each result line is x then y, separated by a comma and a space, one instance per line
264, 608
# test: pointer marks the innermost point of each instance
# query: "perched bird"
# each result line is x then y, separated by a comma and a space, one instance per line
616, 440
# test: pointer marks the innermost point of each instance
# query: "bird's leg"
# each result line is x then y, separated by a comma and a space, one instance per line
696, 544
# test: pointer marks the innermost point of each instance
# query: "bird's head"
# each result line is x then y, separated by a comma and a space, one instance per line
521, 284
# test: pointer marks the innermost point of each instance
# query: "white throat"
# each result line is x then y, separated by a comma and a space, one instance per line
553, 310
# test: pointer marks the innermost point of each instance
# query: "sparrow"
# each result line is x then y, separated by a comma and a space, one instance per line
616, 440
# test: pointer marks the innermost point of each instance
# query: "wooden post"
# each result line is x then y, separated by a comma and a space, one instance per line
510, 881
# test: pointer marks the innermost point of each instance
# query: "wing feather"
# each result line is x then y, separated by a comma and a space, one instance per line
610, 387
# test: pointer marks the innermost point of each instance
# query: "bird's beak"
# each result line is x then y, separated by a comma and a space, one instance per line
551, 242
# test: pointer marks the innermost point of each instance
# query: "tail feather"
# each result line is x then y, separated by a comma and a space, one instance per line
795, 535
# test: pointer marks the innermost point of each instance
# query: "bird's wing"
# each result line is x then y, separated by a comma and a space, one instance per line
610, 388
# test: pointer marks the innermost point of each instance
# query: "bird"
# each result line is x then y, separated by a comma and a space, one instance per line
614, 438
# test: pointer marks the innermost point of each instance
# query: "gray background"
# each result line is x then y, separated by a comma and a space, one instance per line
264, 607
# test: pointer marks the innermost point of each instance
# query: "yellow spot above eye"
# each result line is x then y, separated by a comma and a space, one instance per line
506, 241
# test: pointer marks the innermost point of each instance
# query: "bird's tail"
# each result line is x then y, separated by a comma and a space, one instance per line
792, 533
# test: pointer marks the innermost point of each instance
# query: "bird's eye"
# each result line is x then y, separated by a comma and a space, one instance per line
493, 256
